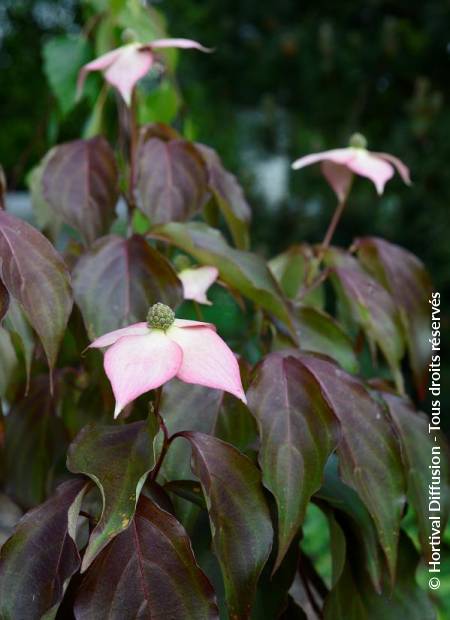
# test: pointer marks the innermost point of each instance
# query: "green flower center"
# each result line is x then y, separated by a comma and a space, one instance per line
160, 316
358, 141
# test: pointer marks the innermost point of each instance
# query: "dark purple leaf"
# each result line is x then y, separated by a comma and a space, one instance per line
148, 571
239, 516
406, 279
228, 195
37, 562
117, 281
171, 180
80, 184
118, 459
369, 454
298, 432
36, 276
4, 300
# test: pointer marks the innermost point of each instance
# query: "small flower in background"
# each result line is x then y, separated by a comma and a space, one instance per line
126, 65
196, 282
144, 356
339, 165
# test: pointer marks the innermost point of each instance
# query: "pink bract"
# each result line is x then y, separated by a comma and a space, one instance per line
140, 358
196, 282
126, 65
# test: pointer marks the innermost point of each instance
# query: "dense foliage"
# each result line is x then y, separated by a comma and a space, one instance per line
193, 503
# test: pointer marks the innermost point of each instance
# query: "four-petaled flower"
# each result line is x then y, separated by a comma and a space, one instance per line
338, 166
126, 65
196, 282
144, 356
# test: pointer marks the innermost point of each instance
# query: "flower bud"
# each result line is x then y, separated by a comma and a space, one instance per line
160, 316
358, 141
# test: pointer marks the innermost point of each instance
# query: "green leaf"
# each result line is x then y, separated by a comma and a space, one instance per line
9, 363
147, 571
36, 276
418, 448
171, 179
298, 432
64, 56
117, 459
37, 562
320, 333
407, 281
80, 185
239, 517
21, 334
228, 196
35, 441
291, 270
353, 598
117, 281
369, 454
244, 271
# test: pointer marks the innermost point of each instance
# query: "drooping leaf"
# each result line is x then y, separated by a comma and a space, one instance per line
372, 308
406, 279
4, 300
34, 441
353, 598
37, 562
21, 334
118, 459
171, 180
244, 271
298, 432
36, 276
320, 333
9, 361
80, 184
293, 270
369, 454
64, 55
419, 446
147, 571
228, 196
117, 281
239, 516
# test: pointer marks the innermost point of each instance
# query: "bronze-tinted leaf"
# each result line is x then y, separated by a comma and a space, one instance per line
171, 180
117, 281
80, 184
298, 432
148, 571
228, 196
37, 562
118, 459
406, 279
239, 516
36, 276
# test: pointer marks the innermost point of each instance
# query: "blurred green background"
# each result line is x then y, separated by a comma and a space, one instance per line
286, 78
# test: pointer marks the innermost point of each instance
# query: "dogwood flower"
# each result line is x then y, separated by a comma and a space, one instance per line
338, 166
126, 65
144, 356
196, 282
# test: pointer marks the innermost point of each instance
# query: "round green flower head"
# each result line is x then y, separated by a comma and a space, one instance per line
358, 141
160, 316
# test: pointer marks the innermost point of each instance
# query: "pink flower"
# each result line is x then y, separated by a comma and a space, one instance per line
338, 166
126, 65
144, 356
196, 282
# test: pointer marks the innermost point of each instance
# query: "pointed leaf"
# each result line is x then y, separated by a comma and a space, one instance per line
406, 279
21, 334
118, 459
148, 571
293, 270
228, 195
369, 454
36, 276
37, 562
80, 184
244, 271
240, 522
298, 432
117, 281
171, 180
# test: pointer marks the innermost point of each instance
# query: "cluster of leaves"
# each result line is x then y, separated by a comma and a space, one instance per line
193, 505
